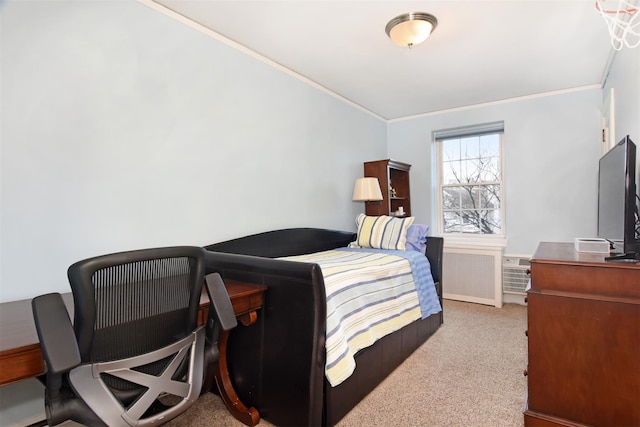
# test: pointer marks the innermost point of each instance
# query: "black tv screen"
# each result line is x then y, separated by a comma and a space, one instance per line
617, 197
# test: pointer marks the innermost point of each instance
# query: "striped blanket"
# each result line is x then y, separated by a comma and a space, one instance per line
370, 294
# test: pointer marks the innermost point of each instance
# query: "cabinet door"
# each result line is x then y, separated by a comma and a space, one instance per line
583, 358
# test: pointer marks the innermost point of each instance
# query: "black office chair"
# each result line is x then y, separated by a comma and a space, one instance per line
135, 354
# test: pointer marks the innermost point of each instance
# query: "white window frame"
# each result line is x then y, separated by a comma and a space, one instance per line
469, 238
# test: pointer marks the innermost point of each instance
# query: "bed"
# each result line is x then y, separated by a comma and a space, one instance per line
282, 365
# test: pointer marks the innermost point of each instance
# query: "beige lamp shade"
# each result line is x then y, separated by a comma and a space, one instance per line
367, 189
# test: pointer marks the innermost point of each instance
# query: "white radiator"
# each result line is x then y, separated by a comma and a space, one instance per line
472, 274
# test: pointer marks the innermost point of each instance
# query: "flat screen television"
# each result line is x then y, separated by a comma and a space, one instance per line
617, 201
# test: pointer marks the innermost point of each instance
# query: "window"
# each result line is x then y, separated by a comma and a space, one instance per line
470, 188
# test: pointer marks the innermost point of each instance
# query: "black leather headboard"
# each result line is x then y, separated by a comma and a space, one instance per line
435, 246
285, 242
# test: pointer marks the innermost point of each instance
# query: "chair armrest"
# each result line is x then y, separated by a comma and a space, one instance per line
55, 332
219, 303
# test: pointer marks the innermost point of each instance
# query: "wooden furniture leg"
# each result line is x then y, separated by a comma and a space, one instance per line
248, 416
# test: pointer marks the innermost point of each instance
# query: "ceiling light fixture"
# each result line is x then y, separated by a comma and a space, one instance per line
411, 28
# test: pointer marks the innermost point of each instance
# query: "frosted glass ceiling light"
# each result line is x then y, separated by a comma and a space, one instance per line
411, 28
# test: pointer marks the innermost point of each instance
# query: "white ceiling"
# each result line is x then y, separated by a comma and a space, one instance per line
481, 51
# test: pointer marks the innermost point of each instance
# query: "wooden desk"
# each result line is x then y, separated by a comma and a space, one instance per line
21, 357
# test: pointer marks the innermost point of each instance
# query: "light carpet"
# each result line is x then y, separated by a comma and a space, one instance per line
468, 374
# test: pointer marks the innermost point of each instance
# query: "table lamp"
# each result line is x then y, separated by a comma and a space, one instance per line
367, 190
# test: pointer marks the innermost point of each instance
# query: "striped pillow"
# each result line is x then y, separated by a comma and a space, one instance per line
383, 232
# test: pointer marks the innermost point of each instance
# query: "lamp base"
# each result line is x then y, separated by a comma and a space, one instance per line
377, 210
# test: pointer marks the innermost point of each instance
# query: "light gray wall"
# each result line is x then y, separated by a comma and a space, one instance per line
624, 78
551, 149
124, 129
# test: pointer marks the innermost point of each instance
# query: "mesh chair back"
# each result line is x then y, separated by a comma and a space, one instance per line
135, 302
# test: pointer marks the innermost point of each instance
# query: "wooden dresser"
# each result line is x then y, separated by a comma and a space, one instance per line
584, 340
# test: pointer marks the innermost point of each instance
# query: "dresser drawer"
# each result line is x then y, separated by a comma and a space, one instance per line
600, 280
